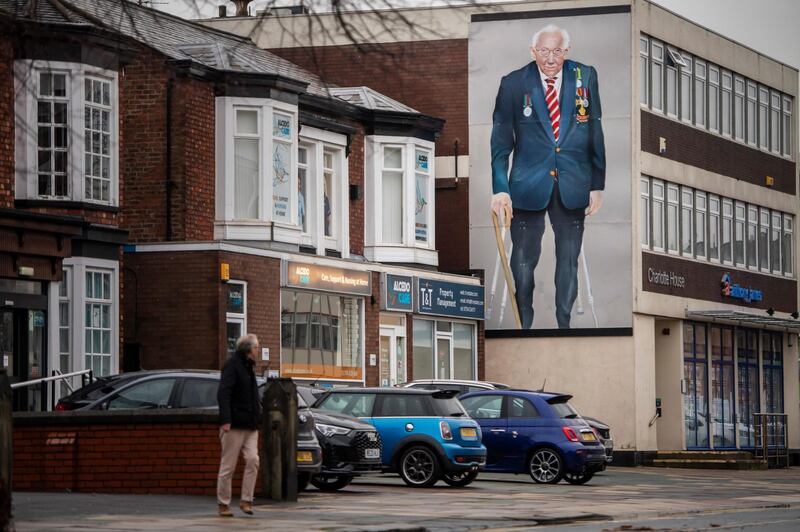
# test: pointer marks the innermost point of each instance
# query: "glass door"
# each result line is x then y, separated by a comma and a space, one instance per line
392, 366
695, 377
22, 344
748, 403
722, 403
444, 357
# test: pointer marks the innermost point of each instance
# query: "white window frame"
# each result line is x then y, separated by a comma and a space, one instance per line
752, 223
237, 317
727, 217
740, 221
751, 112
739, 105
644, 70
726, 113
674, 206
644, 216
700, 214
712, 103
26, 90
700, 97
763, 223
788, 231
657, 63
714, 217
265, 227
448, 335
317, 142
775, 230
686, 89
661, 201
410, 250
763, 121
687, 208
787, 131
671, 77
775, 123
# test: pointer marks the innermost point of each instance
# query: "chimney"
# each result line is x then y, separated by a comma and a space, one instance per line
241, 7
223, 11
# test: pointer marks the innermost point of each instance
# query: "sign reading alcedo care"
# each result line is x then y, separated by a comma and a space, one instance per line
746, 294
398, 292
456, 300
328, 278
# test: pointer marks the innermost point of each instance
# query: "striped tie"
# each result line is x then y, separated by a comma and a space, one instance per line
551, 98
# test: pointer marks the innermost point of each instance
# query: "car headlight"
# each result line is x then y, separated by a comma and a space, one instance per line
331, 430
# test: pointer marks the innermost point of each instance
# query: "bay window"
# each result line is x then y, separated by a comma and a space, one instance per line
66, 132
256, 183
399, 202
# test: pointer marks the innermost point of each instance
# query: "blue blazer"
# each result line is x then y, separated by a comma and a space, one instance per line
578, 158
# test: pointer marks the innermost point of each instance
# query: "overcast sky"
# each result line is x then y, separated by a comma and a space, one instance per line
769, 26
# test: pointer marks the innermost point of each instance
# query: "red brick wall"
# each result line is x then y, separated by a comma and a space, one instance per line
430, 76
6, 123
372, 333
136, 457
172, 309
355, 164
143, 162
452, 224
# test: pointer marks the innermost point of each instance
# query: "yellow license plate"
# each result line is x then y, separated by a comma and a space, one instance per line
469, 432
589, 436
305, 456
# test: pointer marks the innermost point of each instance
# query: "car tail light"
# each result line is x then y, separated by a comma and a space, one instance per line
570, 434
62, 407
597, 433
444, 428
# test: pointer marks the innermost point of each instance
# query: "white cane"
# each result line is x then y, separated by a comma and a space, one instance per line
589, 296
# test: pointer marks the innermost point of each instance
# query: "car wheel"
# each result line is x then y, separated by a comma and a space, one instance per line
460, 479
302, 481
546, 466
419, 467
330, 482
578, 478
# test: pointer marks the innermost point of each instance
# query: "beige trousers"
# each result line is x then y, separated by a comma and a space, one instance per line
233, 442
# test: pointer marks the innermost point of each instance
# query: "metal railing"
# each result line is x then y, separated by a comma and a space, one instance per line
771, 439
86, 375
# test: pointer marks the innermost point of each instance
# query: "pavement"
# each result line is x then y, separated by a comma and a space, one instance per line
620, 499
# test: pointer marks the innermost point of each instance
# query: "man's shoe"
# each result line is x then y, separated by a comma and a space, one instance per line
247, 507
224, 511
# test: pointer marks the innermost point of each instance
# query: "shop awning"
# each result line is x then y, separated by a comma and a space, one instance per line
746, 319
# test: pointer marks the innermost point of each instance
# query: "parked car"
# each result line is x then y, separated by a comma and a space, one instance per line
309, 452
602, 430
535, 432
426, 435
350, 447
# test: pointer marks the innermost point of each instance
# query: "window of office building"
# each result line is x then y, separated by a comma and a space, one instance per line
763, 117
444, 350
738, 109
686, 89
644, 75
700, 224
672, 84
752, 237
658, 215
657, 75
787, 127
740, 220
727, 231
726, 101
788, 245
763, 239
699, 92
644, 213
713, 227
672, 217
713, 99
686, 222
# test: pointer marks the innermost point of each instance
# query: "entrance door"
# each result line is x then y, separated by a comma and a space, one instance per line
392, 367
695, 376
444, 357
22, 344
723, 403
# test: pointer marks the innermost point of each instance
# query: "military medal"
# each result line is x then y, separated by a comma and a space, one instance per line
581, 98
527, 111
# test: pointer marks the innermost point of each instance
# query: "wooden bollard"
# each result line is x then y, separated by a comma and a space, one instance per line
279, 448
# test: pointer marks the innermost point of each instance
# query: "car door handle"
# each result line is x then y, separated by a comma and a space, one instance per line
514, 433
497, 430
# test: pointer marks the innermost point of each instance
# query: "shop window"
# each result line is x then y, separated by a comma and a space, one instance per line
423, 349
700, 208
400, 200
713, 99
444, 350
722, 387
463, 351
713, 227
748, 401
687, 230
97, 328
740, 220
644, 213
695, 386
321, 336
72, 152
257, 170
772, 367
644, 74
235, 313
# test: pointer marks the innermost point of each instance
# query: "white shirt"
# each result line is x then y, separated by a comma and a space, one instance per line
558, 77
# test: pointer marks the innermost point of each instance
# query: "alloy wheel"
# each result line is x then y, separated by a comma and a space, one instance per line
545, 467
419, 466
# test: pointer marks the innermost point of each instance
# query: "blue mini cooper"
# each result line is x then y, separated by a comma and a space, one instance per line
426, 434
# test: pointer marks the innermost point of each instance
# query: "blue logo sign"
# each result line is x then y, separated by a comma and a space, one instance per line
457, 300
398, 290
747, 294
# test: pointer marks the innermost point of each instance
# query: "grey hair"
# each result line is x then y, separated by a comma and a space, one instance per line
552, 28
246, 343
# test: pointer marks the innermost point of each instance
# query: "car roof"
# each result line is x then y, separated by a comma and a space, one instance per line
484, 384
544, 395
153, 372
407, 391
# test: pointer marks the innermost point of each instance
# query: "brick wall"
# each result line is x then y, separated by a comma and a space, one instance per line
452, 224
430, 76
106, 453
355, 165
6, 122
689, 145
372, 333
143, 161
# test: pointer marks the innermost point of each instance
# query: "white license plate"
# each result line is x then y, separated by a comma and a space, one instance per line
372, 453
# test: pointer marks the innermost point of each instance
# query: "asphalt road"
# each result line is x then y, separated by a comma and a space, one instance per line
619, 499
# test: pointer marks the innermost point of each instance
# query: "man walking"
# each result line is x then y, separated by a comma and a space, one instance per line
239, 417
548, 114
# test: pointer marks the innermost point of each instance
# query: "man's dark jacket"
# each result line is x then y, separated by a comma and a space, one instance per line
239, 403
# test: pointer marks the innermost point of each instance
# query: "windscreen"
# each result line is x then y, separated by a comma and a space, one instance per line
450, 407
564, 410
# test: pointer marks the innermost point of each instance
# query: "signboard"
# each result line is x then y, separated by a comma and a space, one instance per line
328, 278
455, 300
397, 293
729, 289
235, 298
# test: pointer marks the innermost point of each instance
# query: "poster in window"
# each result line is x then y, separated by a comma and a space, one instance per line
281, 181
544, 149
421, 209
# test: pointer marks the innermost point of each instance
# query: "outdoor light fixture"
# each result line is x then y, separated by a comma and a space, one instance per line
770, 311
795, 315
25, 271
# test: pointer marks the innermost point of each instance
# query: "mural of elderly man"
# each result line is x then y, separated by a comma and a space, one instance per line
548, 114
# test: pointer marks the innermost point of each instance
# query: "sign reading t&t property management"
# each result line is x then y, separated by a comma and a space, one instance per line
328, 278
450, 299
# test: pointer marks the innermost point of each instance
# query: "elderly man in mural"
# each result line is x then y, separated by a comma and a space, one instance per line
548, 114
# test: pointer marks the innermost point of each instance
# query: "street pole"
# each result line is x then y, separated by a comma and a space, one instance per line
279, 470
5, 451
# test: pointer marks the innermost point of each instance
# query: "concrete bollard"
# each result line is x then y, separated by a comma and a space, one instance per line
279, 450
5, 451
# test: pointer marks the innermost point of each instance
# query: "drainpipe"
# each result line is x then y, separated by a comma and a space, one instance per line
168, 184
455, 148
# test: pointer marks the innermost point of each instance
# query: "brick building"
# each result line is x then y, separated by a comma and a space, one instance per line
257, 199
710, 146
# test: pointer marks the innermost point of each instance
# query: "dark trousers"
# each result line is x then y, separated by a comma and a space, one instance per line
527, 228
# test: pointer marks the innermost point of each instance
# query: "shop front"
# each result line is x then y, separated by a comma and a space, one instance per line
322, 322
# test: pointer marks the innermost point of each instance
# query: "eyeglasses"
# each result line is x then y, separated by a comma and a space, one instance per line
558, 52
